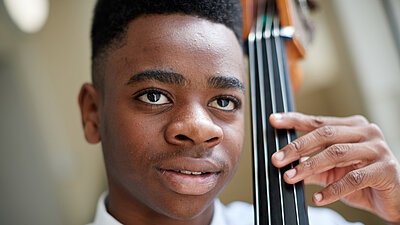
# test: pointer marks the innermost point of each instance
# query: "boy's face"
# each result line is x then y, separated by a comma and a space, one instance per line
171, 116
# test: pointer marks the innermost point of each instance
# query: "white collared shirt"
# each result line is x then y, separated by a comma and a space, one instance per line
236, 213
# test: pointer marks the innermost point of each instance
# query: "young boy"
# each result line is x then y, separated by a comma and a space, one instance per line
167, 104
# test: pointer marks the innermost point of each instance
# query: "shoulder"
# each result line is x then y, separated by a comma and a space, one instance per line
235, 213
241, 213
330, 217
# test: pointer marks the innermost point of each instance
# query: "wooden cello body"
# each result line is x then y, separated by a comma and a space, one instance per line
275, 201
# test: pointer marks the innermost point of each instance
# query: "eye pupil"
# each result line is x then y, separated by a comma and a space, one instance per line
153, 97
222, 102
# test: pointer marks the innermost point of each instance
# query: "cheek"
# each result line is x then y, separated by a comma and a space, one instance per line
233, 142
130, 139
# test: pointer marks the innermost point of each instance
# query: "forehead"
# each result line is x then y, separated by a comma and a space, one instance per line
179, 43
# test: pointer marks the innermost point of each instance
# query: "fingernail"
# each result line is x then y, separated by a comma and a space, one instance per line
318, 197
291, 173
279, 156
277, 116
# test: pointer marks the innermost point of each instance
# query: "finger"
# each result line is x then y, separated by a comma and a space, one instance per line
303, 159
338, 155
318, 179
317, 140
328, 177
353, 181
307, 123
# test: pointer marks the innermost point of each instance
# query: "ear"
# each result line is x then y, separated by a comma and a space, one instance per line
89, 104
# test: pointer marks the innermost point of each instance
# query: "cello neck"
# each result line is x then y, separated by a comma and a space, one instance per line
275, 202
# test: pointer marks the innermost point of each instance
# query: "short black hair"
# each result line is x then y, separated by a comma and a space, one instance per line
112, 17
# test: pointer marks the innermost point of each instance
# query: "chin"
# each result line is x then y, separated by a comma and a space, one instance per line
189, 208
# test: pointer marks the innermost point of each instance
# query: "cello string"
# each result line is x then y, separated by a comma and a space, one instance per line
299, 189
254, 124
267, 37
259, 193
258, 38
281, 72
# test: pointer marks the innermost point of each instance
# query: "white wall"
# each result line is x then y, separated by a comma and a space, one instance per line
353, 67
50, 174
376, 60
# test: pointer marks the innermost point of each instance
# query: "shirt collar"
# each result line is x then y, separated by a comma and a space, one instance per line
104, 218
218, 217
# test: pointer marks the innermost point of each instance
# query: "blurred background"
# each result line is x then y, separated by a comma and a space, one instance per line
50, 175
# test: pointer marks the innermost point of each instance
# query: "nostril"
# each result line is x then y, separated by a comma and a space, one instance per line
212, 139
181, 137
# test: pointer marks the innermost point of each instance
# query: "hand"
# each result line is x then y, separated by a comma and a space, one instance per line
352, 161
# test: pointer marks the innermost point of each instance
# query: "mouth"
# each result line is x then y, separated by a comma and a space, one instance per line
190, 172
190, 178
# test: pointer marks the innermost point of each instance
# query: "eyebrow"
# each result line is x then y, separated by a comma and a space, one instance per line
162, 76
168, 77
225, 82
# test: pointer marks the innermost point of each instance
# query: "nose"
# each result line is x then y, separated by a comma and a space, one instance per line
193, 126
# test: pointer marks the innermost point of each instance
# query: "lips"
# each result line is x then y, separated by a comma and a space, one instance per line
189, 176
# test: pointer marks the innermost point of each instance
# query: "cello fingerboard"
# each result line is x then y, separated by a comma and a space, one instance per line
275, 201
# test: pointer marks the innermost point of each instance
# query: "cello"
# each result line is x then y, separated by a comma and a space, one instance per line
275, 41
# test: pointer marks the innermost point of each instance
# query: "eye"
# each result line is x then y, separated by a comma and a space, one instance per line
154, 98
224, 103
